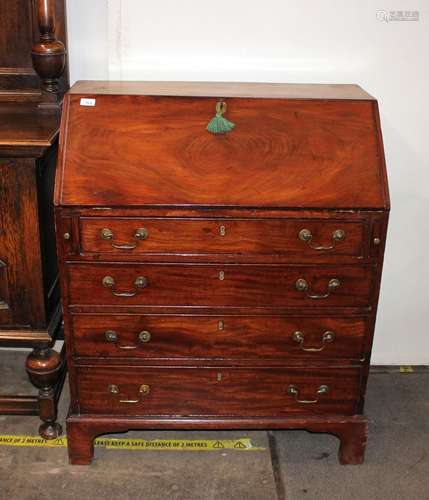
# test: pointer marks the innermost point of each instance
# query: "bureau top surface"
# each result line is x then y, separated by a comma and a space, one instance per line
132, 144
223, 89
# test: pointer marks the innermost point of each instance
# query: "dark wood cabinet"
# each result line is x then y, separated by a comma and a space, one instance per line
33, 79
33, 51
216, 281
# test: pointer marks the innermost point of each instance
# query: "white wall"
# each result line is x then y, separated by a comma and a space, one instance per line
290, 41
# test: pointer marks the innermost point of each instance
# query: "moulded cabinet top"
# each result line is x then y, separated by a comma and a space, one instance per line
293, 146
24, 125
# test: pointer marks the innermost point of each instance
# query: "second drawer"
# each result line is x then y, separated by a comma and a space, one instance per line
220, 337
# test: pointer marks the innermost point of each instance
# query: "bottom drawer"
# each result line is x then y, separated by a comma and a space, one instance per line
217, 391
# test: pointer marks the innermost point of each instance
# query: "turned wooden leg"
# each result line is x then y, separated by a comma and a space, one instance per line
80, 441
353, 437
44, 367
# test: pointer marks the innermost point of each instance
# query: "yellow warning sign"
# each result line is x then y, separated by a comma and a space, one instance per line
242, 444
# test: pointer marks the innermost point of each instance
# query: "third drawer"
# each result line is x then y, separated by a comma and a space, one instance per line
220, 337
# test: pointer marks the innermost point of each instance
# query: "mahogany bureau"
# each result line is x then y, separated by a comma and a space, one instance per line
221, 248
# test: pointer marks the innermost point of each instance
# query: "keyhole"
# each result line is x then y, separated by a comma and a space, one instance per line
220, 325
221, 275
222, 230
219, 377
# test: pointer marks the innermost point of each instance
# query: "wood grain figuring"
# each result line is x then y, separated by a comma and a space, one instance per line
221, 337
216, 392
174, 161
266, 237
203, 285
218, 335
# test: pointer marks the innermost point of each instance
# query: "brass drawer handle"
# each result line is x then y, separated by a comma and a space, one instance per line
140, 282
327, 338
112, 336
337, 235
144, 390
294, 391
302, 285
140, 234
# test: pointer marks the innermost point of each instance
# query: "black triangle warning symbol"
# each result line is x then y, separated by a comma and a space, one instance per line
218, 445
239, 445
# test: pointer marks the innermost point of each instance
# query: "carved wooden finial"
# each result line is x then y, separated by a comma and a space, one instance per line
49, 54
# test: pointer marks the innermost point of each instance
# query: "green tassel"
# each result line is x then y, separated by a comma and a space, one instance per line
218, 124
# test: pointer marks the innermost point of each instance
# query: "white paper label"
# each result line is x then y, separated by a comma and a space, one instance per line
87, 102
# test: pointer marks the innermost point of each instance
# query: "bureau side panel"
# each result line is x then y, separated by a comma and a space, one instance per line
379, 225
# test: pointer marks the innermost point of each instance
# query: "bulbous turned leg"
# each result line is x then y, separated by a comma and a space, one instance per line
44, 366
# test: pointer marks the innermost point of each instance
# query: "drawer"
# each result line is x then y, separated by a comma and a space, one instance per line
217, 391
220, 337
139, 236
219, 285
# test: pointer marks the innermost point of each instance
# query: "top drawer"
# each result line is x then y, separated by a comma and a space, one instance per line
139, 236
